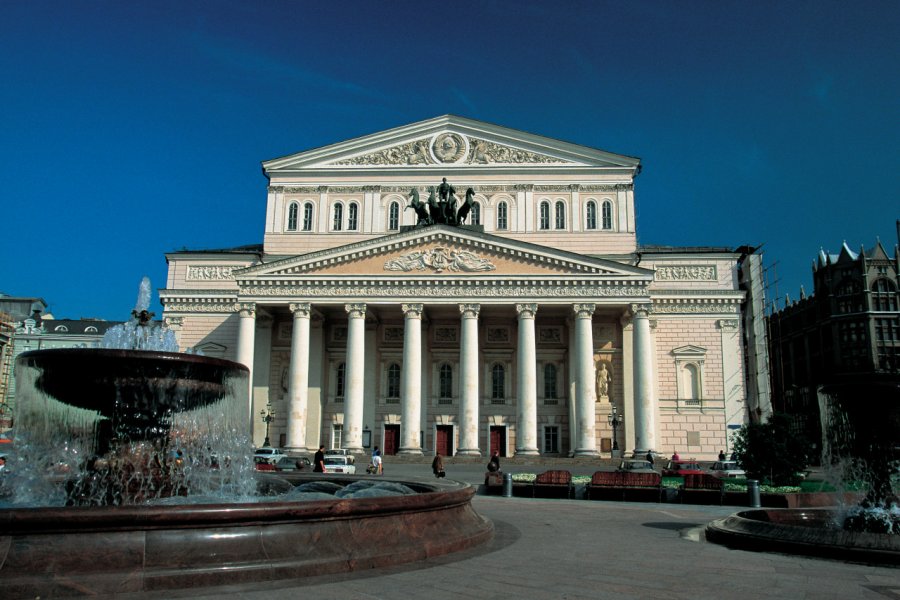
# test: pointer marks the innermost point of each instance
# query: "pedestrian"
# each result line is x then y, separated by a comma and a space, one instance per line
2, 463
675, 456
319, 460
721, 455
437, 465
494, 464
650, 458
376, 461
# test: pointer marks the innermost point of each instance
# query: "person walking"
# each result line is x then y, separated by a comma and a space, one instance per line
319, 460
376, 460
650, 458
437, 465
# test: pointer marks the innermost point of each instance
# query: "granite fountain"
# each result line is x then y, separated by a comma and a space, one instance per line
861, 420
132, 472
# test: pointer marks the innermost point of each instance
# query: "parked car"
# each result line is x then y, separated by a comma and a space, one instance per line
727, 468
341, 452
680, 468
288, 464
339, 464
269, 454
636, 466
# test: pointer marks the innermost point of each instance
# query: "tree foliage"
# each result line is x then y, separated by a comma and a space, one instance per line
772, 452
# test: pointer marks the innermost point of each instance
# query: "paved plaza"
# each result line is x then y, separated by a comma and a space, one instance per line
578, 549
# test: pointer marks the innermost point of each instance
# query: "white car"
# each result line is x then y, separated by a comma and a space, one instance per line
270, 455
339, 464
726, 469
341, 452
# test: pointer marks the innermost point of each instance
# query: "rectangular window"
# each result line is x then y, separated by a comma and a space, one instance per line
551, 439
337, 436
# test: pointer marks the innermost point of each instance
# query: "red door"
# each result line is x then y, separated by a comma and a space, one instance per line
498, 440
391, 439
443, 443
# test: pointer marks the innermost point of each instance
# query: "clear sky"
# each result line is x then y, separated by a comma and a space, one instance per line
129, 129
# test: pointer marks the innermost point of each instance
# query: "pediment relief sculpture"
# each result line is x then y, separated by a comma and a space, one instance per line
449, 148
438, 260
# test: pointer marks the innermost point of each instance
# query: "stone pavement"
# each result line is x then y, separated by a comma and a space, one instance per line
578, 549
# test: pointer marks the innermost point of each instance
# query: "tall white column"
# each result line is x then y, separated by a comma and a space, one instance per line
468, 381
411, 385
245, 344
354, 375
298, 377
526, 415
586, 443
644, 409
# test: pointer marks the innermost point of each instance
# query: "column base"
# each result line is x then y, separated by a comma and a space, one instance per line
410, 451
468, 452
527, 452
586, 452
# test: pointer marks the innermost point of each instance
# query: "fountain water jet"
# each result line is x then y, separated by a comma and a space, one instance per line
861, 417
107, 439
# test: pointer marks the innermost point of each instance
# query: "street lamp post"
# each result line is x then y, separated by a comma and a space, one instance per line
614, 420
268, 415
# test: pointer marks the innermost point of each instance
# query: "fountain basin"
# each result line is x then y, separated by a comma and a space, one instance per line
814, 532
51, 552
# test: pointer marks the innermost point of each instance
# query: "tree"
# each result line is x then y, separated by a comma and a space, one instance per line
772, 452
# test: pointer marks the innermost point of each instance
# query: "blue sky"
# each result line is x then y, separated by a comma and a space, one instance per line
129, 129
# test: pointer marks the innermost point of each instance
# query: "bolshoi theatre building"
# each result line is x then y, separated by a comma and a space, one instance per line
459, 287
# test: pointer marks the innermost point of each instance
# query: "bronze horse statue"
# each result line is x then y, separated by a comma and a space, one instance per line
420, 208
434, 208
463, 211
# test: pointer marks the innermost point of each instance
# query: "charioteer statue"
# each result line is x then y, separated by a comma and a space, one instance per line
440, 208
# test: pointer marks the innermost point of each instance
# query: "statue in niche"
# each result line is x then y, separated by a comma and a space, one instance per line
604, 379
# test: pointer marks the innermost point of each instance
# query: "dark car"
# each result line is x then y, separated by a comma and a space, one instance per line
680, 468
288, 464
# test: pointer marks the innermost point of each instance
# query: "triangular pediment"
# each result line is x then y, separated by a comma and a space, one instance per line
448, 142
447, 252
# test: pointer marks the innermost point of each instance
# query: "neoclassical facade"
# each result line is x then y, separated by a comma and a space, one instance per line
520, 331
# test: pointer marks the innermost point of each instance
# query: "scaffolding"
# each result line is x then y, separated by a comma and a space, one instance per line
7, 333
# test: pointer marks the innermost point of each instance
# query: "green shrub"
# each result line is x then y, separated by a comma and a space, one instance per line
771, 452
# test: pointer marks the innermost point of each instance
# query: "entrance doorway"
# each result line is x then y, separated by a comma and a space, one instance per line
498, 439
391, 439
443, 441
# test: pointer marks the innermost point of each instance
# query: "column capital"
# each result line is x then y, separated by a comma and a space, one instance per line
301, 309
641, 310
356, 311
246, 309
413, 311
470, 310
584, 311
526, 311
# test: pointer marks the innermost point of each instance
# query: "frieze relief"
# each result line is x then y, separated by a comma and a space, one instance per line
211, 273
201, 307
686, 273
420, 291
440, 259
695, 308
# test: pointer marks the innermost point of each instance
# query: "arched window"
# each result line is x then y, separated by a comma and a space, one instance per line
545, 215
91, 329
498, 382
339, 384
502, 222
475, 215
307, 216
61, 329
393, 381
338, 217
352, 216
691, 382
293, 209
607, 214
394, 217
560, 214
446, 381
591, 220
550, 381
